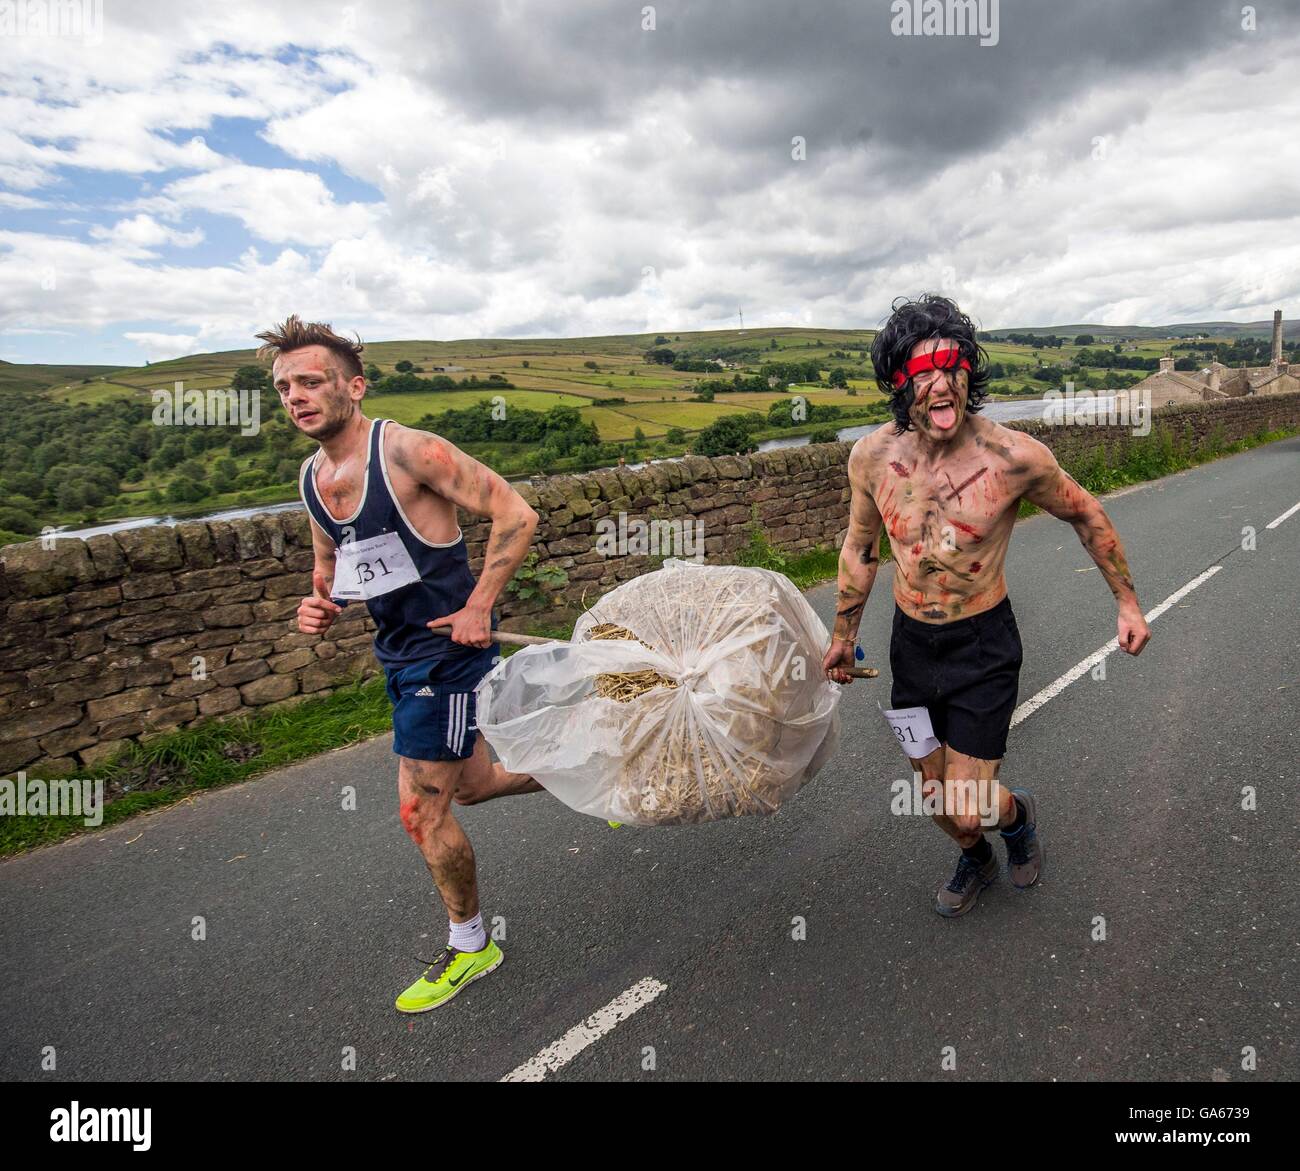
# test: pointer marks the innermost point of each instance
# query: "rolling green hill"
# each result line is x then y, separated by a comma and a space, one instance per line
77, 444
1225, 330
28, 377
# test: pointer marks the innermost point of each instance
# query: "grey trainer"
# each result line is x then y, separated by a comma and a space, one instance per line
1024, 850
961, 893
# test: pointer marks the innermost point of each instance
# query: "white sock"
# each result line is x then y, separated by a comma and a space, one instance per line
468, 936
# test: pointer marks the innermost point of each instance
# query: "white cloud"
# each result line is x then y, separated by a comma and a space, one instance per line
141, 234
278, 205
159, 347
19, 202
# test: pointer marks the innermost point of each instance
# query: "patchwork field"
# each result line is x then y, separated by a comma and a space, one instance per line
590, 375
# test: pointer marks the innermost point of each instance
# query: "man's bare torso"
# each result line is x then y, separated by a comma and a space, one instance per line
949, 521
432, 515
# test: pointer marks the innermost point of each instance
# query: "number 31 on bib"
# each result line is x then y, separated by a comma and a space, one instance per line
369, 568
911, 726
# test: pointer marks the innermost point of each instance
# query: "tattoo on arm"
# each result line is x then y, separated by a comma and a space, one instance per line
506, 548
850, 602
1121, 581
499, 543
1102, 542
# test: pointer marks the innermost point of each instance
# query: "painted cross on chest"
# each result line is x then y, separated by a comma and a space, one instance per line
956, 491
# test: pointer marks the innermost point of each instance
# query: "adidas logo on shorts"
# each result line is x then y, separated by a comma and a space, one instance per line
426, 690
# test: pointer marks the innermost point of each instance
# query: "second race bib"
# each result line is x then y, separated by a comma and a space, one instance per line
912, 727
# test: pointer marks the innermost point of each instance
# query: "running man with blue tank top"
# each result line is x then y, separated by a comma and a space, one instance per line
382, 501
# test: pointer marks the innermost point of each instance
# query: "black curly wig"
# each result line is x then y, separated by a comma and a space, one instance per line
930, 316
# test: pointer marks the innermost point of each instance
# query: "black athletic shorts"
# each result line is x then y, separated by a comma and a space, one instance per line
966, 673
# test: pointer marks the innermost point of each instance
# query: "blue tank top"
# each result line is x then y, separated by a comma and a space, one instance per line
445, 579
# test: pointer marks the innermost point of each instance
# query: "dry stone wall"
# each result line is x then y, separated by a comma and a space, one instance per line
138, 632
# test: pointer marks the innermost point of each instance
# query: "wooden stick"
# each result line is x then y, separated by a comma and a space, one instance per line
506, 636
511, 639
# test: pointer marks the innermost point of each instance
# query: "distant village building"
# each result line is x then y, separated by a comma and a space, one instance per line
1217, 381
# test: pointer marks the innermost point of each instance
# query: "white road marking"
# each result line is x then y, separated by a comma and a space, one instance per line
1027, 709
555, 1057
1293, 509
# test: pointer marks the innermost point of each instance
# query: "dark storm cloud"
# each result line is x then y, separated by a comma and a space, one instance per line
548, 167
829, 69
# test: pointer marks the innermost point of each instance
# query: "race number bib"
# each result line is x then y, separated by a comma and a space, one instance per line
369, 568
911, 725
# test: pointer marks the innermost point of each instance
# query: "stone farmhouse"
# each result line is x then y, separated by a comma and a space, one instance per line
1216, 382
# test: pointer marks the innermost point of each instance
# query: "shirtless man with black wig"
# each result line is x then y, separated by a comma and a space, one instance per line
945, 484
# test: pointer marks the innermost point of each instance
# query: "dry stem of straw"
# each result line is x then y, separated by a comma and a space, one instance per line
677, 778
625, 686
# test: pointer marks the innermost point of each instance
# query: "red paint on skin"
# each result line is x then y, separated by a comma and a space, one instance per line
916, 548
409, 822
899, 468
966, 483
975, 567
966, 529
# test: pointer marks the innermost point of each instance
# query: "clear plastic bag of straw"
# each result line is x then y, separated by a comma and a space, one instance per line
716, 708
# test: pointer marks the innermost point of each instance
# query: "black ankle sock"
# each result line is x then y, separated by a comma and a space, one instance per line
1019, 823
980, 852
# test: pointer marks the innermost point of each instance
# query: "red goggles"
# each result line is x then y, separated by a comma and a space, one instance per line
949, 359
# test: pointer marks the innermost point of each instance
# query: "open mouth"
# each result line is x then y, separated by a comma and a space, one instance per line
943, 414
308, 416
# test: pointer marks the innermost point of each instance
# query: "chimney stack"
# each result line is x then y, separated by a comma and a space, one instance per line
1166, 365
1277, 338
1215, 376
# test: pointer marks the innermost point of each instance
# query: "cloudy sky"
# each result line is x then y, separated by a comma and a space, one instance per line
174, 177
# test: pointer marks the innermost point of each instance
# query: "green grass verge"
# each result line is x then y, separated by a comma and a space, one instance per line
1159, 454
173, 766
805, 569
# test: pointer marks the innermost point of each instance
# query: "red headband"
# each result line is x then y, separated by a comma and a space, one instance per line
935, 360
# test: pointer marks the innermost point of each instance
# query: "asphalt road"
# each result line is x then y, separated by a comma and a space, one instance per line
314, 914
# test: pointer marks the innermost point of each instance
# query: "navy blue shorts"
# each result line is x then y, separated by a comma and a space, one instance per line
965, 673
434, 713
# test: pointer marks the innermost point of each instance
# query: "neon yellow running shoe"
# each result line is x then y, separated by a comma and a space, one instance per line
448, 975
